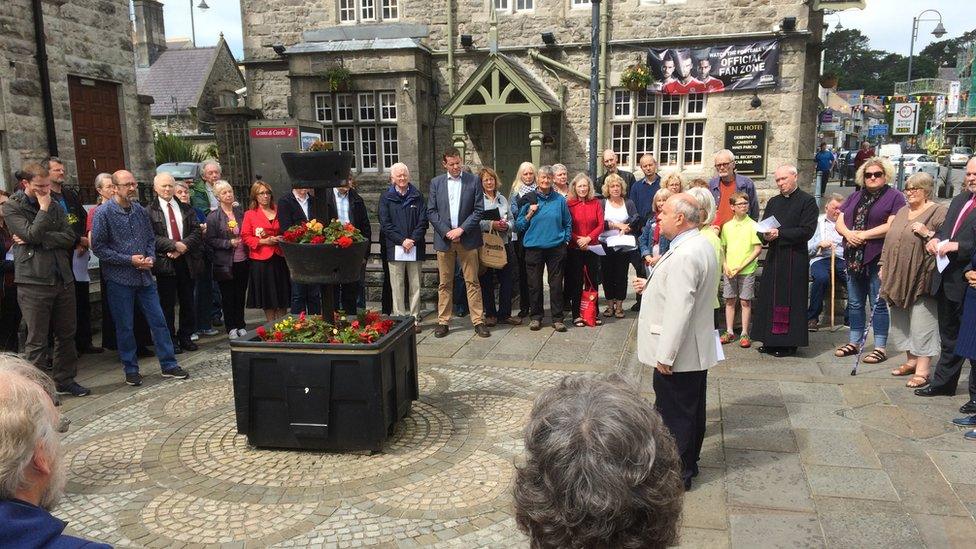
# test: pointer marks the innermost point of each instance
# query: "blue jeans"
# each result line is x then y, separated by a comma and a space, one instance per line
121, 301
860, 286
305, 297
820, 272
504, 279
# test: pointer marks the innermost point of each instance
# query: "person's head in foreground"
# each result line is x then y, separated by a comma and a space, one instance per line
601, 469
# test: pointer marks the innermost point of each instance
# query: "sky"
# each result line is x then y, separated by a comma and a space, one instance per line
887, 23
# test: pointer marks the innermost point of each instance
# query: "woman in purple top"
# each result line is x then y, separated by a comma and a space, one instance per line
867, 214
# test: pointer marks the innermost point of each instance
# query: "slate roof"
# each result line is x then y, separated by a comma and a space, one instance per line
179, 75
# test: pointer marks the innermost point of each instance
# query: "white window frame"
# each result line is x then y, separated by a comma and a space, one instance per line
628, 130
389, 137
345, 112
351, 12
367, 10
348, 11
388, 110
323, 107
368, 118
390, 9
368, 162
512, 6
580, 4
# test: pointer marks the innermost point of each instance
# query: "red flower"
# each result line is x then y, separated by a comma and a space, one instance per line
262, 332
318, 239
344, 242
372, 316
349, 227
355, 324
278, 336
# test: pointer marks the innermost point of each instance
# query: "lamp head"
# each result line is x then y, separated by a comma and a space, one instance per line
203, 5
939, 31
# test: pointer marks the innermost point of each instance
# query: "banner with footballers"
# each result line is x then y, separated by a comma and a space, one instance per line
713, 69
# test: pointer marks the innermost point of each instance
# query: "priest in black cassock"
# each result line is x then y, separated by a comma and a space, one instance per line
779, 320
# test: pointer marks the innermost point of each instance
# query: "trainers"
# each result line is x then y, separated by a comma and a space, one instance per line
727, 337
73, 389
194, 336
813, 325
178, 373
241, 332
210, 332
745, 342
232, 334
134, 379
535, 325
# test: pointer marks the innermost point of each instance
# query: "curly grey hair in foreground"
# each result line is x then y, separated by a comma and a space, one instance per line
601, 469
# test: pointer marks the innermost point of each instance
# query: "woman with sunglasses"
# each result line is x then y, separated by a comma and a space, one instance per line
865, 218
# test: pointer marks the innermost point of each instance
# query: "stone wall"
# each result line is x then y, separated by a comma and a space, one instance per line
225, 78
86, 38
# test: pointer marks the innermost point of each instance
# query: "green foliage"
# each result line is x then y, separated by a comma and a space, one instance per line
212, 152
173, 148
848, 53
338, 77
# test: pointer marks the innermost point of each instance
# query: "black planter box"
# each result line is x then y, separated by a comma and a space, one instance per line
324, 397
324, 264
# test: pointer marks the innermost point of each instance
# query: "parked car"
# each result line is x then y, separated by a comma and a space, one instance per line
181, 171
959, 156
915, 163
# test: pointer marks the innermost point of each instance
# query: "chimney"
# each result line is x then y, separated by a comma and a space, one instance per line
150, 34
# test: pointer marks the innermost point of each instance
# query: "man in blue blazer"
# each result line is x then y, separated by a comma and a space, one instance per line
454, 211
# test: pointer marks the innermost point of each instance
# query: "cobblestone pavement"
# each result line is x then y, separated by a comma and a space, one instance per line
798, 453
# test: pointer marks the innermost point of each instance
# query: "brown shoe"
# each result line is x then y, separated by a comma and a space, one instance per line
513, 320
441, 330
559, 326
491, 321
482, 330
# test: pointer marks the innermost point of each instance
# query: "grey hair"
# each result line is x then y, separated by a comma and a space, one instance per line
559, 168
182, 184
706, 201
544, 170
25, 421
688, 209
161, 177
601, 469
219, 186
100, 180
399, 166
923, 181
790, 169
834, 197
725, 152
205, 163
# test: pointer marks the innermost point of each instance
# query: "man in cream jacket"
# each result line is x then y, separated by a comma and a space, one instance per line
676, 327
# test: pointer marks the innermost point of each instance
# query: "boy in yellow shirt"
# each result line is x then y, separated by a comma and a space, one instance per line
741, 245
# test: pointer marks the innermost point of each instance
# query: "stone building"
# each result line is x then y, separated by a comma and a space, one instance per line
70, 89
478, 75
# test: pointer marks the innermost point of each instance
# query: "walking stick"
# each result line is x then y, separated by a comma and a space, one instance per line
832, 287
864, 335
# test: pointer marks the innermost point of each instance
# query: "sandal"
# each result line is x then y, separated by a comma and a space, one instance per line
579, 323
846, 350
599, 322
618, 310
727, 337
608, 312
917, 382
874, 357
903, 370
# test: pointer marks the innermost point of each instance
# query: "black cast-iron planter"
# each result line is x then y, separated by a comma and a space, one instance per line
324, 263
332, 397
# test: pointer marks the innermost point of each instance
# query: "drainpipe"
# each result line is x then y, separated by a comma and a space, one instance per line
594, 83
561, 66
450, 47
602, 99
45, 78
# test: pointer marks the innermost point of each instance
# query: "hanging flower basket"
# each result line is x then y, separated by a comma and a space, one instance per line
829, 80
636, 77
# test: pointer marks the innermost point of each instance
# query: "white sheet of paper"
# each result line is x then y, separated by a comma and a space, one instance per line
399, 254
719, 353
607, 234
10, 254
597, 249
941, 261
79, 265
622, 241
767, 224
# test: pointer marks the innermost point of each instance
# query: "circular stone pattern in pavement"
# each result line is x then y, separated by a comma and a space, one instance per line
109, 461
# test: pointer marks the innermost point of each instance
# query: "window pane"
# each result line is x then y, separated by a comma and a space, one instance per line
580, 3
367, 9
347, 142
693, 143
347, 10
669, 143
367, 146
329, 135
621, 104
323, 107
391, 9
524, 4
501, 5
620, 143
344, 108
367, 107
696, 103
645, 103
644, 139
670, 105
388, 107
391, 148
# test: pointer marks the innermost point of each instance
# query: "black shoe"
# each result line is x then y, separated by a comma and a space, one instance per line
134, 380
481, 330
177, 349
144, 352
188, 345
91, 350
73, 389
635, 306
764, 350
931, 391
216, 321
178, 373
441, 330
687, 485
781, 352
968, 408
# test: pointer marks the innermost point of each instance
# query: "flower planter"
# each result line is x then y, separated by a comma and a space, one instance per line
324, 397
324, 263
317, 169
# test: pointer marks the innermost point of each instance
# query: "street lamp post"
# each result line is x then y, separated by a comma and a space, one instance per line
938, 32
203, 7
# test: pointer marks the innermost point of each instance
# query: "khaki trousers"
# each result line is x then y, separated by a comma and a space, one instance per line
469, 268
401, 273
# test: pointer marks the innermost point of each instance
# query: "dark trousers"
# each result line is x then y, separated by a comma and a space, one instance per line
820, 272
346, 297
521, 274
503, 279
232, 294
824, 177
305, 297
949, 367
178, 288
640, 268
553, 261
680, 399
45, 308
9, 320
202, 303
615, 266
386, 294
83, 327
140, 326
576, 260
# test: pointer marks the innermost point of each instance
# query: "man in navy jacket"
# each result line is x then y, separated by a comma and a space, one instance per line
454, 210
295, 208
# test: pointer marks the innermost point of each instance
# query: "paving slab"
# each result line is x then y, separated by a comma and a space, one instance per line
956, 467
852, 523
837, 448
949, 532
920, 485
817, 393
767, 479
704, 505
757, 428
846, 482
751, 527
820, 416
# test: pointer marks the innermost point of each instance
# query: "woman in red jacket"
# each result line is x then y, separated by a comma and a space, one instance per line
269, 285
587, 214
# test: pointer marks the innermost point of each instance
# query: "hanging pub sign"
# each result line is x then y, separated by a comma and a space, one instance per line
747, 141
713, 69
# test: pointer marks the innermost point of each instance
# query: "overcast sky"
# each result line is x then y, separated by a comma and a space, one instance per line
887, 23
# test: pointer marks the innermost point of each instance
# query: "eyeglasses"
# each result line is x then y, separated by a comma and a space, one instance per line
741, 204
264, 192
910, 189
723, 164
873, 175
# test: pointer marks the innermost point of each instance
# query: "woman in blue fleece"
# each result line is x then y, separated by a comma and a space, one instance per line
546, 227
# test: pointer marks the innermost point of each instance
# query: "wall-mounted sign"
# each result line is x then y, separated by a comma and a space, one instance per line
747, 141
711, 69
274, 133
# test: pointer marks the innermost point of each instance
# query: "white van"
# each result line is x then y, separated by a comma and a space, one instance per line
889, 150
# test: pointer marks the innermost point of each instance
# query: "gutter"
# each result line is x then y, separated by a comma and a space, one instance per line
44, 77
533, 54
450, 46
601, 115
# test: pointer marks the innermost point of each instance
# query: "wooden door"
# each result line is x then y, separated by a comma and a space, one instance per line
97, 130
511, 148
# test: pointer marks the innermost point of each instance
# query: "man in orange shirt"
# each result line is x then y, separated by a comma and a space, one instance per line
728, 182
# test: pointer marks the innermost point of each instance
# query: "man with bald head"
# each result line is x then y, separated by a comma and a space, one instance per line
725, 183
676, 327
179, 261
780, 320
610, 166
123, 240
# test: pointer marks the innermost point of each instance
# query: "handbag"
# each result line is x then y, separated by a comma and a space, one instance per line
589, 300
492, 252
